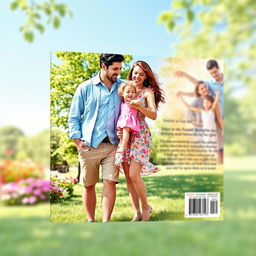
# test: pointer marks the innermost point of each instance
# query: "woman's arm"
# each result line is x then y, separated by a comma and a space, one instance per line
188, 94
189, 107
150, 111
180, 73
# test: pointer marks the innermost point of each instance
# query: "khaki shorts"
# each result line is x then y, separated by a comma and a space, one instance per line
90, 161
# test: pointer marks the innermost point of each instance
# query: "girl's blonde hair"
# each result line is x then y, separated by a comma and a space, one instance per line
126, 84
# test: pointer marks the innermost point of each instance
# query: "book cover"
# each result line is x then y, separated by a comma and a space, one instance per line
170, 167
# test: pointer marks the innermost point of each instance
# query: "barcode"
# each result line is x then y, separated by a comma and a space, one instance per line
202, 204
214, 207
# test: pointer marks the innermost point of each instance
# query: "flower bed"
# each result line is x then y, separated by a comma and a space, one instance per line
28, 191
61, 188
14, 171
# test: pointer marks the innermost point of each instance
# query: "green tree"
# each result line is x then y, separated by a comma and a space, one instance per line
222, 29
9, 138
62, 149
39, 14
35, 147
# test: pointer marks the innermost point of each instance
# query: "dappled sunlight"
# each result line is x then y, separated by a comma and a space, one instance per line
29, 211
241, 214
240, 163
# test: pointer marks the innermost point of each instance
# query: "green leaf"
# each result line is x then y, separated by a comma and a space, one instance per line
56, 22
177, 4
29, 36
61, 10
23, 4
48, 11
13, 6
170, 24
190, 15
165, 16
39, 27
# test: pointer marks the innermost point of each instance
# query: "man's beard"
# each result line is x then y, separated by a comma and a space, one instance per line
111, 78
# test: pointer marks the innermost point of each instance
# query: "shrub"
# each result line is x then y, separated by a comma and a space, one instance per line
61, 188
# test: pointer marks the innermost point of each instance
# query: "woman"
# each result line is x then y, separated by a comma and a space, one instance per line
201, 90
135, 161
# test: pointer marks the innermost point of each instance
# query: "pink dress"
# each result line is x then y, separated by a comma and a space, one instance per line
128, 118
139, 147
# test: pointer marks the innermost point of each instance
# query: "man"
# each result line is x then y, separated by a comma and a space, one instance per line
215, 83
92, 125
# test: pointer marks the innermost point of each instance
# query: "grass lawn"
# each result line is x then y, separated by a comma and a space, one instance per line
28, 231
165, 193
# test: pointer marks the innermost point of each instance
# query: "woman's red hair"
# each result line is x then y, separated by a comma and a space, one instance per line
150, 81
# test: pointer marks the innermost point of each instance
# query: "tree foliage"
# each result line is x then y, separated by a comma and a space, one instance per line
9, 137
39, 14
62, 149
222, 29
35, 147
14, 144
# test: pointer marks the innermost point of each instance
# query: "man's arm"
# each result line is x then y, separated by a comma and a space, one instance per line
180, 73
74, 121
216, 100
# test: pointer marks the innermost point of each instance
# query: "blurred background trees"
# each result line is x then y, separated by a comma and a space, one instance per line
9, 137
14, 144
222, 29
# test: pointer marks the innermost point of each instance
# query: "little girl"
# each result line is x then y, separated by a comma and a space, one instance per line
208, 117
127, 120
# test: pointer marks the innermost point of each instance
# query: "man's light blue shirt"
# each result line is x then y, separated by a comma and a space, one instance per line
94, 112
214, 85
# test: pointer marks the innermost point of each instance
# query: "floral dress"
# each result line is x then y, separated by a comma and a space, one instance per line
139, 146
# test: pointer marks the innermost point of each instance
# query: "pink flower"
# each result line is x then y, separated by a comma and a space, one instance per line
42, 196
144, 151
15, 195
9, 152
24, 200
32, 199
37, 191
28, 190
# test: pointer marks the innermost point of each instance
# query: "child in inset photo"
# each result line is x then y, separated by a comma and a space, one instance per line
127, 120
208, 117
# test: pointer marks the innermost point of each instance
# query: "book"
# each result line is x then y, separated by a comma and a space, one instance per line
179, 148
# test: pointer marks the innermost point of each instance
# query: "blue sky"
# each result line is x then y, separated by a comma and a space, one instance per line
128, 27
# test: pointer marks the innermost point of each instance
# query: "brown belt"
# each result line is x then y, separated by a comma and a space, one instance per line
106, 140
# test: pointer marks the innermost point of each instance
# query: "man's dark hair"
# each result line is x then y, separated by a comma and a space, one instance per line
211, 64
108, 59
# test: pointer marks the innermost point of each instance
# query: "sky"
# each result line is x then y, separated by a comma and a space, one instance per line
127, 27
